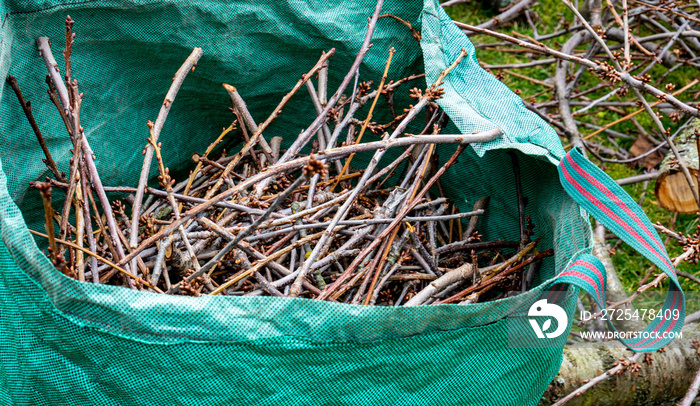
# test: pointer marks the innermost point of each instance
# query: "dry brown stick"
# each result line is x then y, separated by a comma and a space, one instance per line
306, 135
414, 33
529, 79
390, 228
480, 204
179, 78
88, 225
596, 380
76, 102
323, 86
299, 162
527, 37
240, 105
369, 116
494, 271
211, 147
692, 393
62, 93
275, 113
389, 244
433, 92
101, 259
45, 190
634, 113
624, 76
324, 134
70, 38
100, 224
27, 108
258, 160
74, 171
370, 274
79, 230
72, 112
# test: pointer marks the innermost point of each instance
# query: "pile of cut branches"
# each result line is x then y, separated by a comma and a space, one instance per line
282, 222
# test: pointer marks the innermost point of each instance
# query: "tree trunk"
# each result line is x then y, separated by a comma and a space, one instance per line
664, 380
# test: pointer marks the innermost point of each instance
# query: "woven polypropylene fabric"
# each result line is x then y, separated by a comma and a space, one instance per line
616, 210
66, 342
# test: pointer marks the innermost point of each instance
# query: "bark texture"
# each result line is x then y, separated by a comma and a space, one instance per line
660, 381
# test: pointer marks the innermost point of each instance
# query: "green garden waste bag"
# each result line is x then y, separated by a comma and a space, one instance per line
63, 342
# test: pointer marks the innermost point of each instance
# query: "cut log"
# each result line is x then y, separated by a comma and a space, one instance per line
672, 188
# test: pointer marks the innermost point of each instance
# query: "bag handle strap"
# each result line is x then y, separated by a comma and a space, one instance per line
608, 203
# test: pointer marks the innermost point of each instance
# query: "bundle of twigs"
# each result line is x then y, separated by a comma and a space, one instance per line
282, 222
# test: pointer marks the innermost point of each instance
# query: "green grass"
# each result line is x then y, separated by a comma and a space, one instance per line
630, 265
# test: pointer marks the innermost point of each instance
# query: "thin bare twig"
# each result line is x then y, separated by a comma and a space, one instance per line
27, 108
178, 79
